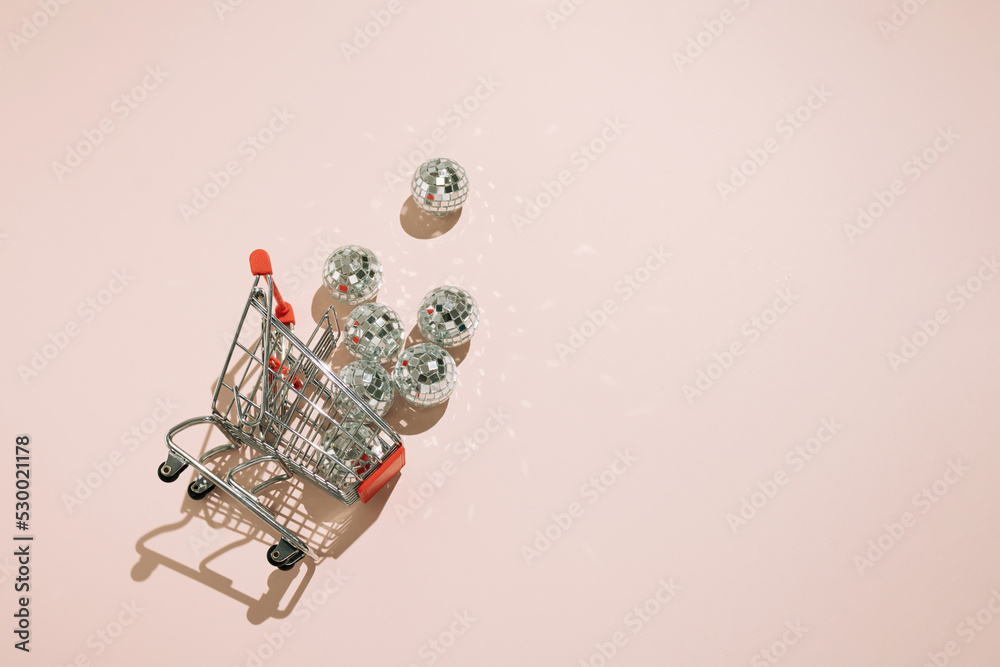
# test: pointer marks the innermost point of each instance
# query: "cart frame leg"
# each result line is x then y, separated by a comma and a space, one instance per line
246, 498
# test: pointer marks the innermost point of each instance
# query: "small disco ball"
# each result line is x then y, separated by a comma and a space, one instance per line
425, 375
440, 186
352, 274
448, 316
347, 443
372, 383
374, 331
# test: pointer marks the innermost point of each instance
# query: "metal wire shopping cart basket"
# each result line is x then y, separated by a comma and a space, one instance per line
277, 396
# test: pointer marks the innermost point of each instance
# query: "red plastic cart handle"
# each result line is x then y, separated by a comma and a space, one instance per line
381, 477
260, 265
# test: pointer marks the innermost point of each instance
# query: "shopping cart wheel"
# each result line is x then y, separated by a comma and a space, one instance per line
170, 469
284, 556
200, 488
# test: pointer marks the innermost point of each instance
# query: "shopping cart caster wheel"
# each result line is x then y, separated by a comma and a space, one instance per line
284, 556
168, 471
200, 488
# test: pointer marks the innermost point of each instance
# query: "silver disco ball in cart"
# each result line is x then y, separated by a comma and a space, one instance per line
374, 331
371, 383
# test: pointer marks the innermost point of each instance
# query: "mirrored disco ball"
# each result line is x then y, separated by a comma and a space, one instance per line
448, 316
374, 331
372, 383
425, 375
352, 274
346, 442
440, 186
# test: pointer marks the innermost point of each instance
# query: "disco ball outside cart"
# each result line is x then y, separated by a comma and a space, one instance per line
440, 186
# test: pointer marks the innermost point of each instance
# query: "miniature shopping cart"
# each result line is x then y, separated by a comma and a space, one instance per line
278, 397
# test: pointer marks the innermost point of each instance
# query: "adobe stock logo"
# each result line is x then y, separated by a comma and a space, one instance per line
796, 459
899, 17
593, 490
121, 108
434, 648
914, 167
636, 619
624, 289
752, 330
562, 12
304, 270
786, 127
311, 603
248, 150
422, 494
927, 330
223, 7
88, 483
779, 648
713, 29
363, 35
104, 637
582, 158
968, 629
88, 310
30, 25
924, 501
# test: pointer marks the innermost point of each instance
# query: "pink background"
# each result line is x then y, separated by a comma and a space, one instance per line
573, 395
